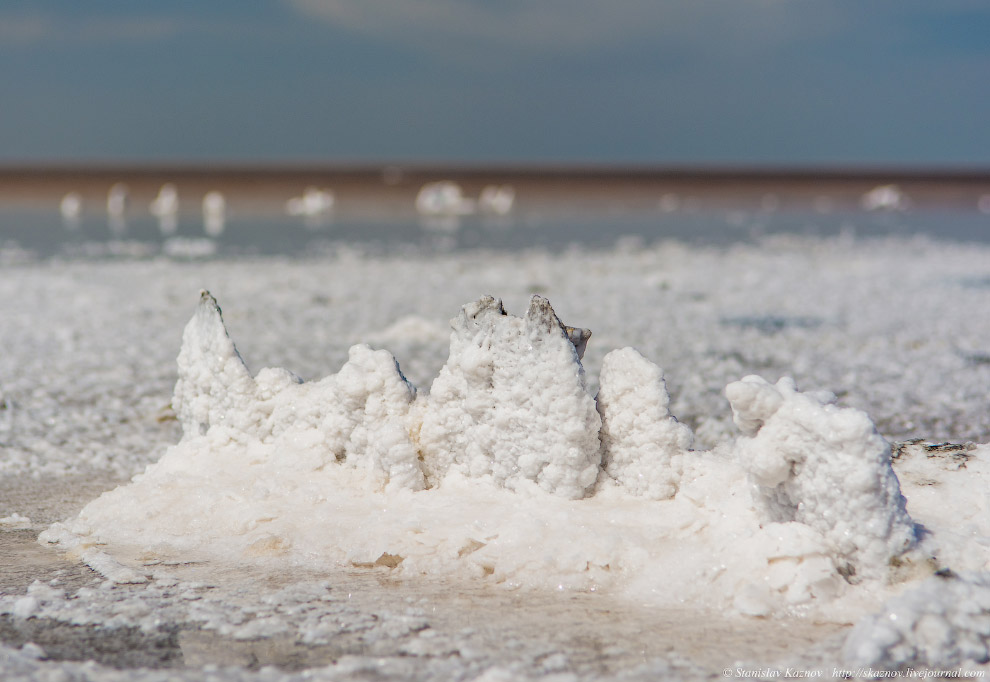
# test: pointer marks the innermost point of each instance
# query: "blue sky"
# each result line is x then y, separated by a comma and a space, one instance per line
879, 82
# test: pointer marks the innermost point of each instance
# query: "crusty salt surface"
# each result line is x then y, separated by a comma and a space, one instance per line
943, 622
338, 472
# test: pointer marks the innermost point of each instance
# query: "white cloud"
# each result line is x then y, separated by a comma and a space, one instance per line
574, 24
130, 30
24, 30
27, 30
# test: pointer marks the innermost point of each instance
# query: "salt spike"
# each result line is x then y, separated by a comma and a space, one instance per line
512, 403
211, 371
541, 317
643, 445
366, 406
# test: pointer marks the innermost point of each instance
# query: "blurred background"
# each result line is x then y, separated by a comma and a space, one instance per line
405, 119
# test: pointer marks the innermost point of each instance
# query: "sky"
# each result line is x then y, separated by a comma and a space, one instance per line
658, 82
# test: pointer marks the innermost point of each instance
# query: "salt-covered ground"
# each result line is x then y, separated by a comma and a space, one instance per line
894, 327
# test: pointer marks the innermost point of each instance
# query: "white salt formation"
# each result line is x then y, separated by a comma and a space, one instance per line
642, 443
214, 213
71, 209
823, 466
443, 198
497, 199
512, 404
944, 621
885, 198
165, 207
15, 521
89, 350
313, 203
117, 201
214, 382
508, 471
117, 198
357, 416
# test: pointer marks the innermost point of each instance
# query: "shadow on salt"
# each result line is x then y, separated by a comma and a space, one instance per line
511, 472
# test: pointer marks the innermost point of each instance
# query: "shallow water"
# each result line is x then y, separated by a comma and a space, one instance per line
40, 233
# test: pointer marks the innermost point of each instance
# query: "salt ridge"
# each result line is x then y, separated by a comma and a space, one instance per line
333, 472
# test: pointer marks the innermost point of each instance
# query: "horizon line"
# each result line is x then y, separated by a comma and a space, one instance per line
533, 169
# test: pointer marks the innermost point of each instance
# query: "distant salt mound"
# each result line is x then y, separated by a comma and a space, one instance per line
411, 329
885, 198
511, 472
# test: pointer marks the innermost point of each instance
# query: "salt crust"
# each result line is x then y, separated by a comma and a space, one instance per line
401, 633
804, 455
943, 622
271, 469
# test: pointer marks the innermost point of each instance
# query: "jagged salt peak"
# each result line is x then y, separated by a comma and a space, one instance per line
358, 416
824, 466
512, 403
642, 442
212, 376
268, 464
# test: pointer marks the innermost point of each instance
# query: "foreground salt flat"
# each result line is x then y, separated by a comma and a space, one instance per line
893, 327
895, 323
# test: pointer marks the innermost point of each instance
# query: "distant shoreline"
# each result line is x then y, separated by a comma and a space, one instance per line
641, 185
521, 171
